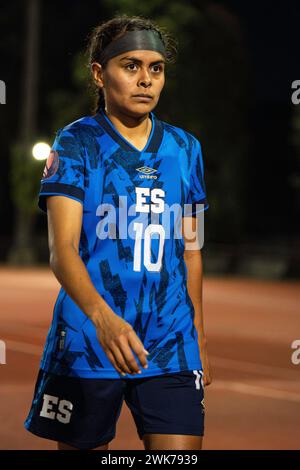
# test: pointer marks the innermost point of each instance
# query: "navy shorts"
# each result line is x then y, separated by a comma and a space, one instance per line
83, 412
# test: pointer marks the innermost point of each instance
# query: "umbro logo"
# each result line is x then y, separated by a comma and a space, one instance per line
147, 172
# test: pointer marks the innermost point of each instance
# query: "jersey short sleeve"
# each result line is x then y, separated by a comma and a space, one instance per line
197, 189
64, 170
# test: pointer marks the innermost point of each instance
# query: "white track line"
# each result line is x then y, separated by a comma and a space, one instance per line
25, 348
256, 390
255, 368
266, 302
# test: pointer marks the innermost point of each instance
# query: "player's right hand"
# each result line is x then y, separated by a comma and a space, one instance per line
119, 341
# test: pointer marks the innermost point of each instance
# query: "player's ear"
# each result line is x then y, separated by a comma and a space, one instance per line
97, 72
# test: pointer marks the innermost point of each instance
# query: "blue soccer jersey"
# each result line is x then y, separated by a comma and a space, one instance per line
131, 203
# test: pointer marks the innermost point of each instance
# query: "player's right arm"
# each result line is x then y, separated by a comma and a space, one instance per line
116, 336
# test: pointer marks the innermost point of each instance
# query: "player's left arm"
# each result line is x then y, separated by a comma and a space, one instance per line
193, 261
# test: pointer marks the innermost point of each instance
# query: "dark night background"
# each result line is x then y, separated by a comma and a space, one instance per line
236, 86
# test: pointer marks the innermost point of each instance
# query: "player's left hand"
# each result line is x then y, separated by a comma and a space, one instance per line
207, 376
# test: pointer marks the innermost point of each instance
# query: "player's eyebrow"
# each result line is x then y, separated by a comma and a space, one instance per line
138, 61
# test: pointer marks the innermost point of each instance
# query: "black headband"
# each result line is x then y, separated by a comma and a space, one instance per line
133, 40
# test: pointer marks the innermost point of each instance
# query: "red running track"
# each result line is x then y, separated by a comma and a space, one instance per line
254, 400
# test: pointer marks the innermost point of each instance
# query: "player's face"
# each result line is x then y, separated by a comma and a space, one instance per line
130, 74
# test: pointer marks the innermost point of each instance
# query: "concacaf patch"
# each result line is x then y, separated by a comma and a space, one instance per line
52, 164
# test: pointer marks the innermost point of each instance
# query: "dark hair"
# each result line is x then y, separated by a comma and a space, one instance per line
112, 29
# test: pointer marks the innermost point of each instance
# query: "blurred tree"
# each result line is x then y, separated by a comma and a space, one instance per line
66, 105
23, 167
216, 107
294, 200
294, 139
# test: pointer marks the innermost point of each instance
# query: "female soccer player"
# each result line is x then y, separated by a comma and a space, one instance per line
127, 323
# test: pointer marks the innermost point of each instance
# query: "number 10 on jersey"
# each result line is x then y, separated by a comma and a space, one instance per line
142, 250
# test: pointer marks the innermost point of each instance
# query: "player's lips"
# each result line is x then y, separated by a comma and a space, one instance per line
143, 97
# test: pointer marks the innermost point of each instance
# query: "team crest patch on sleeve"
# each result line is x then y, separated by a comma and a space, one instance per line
52, 164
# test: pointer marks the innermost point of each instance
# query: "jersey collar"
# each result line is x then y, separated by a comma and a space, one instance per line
154, 140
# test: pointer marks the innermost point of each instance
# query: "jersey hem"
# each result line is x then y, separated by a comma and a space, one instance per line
110, 374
